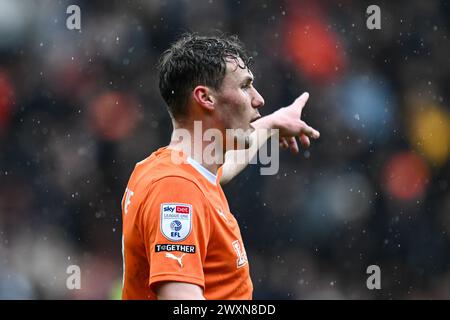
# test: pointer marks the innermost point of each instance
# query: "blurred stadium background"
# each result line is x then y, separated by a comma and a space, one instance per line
79, 109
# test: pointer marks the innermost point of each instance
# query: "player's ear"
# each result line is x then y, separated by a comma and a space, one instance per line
204, 97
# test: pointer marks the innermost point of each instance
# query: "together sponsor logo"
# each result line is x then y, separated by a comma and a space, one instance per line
185, 248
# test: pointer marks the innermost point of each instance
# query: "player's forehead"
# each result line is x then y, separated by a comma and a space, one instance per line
236, 72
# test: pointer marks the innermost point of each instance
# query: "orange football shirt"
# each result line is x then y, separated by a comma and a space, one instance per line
177, 226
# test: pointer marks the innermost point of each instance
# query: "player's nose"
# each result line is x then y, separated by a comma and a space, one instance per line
258, 100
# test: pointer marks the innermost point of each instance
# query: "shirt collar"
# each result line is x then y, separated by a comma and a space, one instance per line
211, 177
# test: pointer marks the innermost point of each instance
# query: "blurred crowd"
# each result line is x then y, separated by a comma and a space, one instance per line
78, 109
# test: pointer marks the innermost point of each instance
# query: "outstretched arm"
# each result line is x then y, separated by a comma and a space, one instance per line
286, 122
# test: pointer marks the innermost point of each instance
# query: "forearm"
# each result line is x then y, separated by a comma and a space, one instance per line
237, 160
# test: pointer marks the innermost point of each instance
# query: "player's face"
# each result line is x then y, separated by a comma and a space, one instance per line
238, 101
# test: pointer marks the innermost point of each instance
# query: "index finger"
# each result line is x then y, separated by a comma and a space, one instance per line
300, 102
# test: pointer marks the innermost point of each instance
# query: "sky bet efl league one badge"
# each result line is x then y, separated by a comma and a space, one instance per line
176, 220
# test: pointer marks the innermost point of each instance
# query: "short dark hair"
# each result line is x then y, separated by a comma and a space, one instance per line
196, 60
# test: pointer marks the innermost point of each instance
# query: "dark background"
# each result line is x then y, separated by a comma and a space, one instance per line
79, 109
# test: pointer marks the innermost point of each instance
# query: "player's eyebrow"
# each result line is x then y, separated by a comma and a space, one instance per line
247, 79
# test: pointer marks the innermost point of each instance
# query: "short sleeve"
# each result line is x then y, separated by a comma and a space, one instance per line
176, 229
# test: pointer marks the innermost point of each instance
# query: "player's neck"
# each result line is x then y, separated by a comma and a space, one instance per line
191, 141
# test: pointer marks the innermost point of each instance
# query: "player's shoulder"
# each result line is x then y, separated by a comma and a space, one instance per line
162, 171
